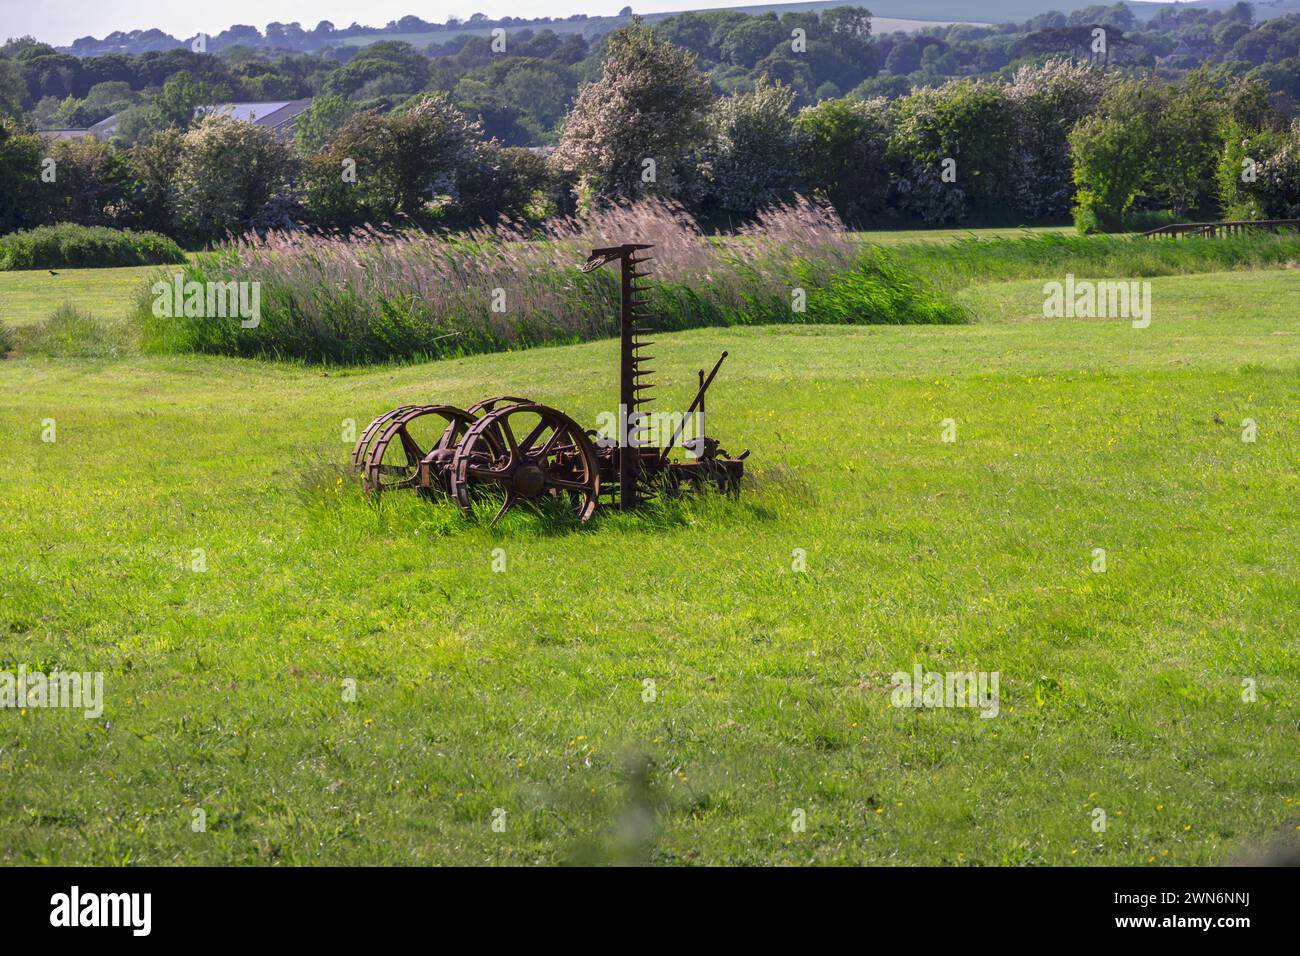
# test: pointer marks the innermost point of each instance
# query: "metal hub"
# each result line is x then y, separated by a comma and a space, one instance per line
529, 480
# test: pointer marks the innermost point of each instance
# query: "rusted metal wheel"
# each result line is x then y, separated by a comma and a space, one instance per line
412, 447
544, 455
488, 405
371, 432
491, 404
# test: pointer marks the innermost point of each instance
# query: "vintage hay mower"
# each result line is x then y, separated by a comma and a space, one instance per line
516, 450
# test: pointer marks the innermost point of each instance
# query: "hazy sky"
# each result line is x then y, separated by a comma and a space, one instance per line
62, 21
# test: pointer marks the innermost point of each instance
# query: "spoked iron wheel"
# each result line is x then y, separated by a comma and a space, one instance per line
411, 447
371, 432
488, 405
543, 456
479, 409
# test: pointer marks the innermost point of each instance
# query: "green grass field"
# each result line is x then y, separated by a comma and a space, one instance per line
893, 237
30, 295
525, 692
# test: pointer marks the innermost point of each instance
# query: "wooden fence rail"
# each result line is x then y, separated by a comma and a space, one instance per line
1211, 230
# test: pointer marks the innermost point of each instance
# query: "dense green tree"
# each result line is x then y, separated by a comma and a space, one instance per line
785, 67
20, 178
751, 155
1283, 76
632, 131
153, 163
841, 150
512, 183
182, 96
1258, 174
13, 91
1111, 149
1277, 187
1186, 146
433, 144
92, 184
1048, 101
394, 66
904, 58
519, 100
229, 175
847, 27
952, 149
381, 169
319, 122
750, 41
690, 31
53, 74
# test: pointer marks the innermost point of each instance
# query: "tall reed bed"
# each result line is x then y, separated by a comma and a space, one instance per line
380, 296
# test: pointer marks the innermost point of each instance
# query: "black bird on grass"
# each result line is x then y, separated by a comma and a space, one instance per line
51, 272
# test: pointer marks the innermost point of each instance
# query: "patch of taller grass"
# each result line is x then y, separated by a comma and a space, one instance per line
966, 261
72, 333
382, 297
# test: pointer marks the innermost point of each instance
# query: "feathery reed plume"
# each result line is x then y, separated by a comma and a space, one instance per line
381, 293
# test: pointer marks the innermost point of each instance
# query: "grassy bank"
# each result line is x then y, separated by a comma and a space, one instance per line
894, 237
970, 261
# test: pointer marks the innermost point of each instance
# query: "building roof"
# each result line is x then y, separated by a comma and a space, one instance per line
106, 127
277, 115
65, 133
273, 114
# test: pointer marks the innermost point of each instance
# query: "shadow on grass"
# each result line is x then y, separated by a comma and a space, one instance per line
331, 494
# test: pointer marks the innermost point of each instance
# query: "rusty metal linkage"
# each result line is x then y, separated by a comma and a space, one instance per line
515, 450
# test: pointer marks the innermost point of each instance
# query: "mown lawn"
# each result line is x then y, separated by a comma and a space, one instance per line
891, 237
525, 692
30, 295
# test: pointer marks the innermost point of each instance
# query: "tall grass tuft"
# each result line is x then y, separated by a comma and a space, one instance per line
71, 333
382, 296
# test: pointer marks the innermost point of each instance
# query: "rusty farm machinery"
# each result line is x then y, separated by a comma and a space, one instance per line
513, 450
